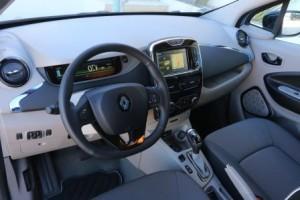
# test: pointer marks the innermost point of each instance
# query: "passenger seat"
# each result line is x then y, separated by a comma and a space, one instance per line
265, 155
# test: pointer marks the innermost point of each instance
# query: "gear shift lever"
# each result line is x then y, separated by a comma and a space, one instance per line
195, 140
196, 143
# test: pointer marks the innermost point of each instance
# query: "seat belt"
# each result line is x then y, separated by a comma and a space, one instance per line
239, 183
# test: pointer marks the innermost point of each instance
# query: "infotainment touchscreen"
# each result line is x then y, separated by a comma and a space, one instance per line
172, 61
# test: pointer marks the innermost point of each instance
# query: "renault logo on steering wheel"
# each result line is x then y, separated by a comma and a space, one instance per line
124, 103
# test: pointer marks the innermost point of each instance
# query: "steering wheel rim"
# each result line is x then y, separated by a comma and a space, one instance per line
72, 122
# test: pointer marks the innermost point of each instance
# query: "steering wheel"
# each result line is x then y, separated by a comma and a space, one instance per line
114, 109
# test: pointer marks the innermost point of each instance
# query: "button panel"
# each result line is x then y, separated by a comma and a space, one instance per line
184, 91
32, 135
19, 136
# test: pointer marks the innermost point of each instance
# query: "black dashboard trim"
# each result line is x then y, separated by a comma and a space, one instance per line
47, 94
23, 22
227, 59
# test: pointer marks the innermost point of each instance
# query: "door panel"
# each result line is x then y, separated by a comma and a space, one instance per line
284, 88
261, 43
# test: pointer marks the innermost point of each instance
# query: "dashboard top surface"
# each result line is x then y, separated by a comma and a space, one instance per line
59, 42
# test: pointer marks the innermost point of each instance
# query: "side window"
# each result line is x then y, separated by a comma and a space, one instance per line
266, 19
290, 21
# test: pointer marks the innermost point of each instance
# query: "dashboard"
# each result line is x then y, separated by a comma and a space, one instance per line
34, 58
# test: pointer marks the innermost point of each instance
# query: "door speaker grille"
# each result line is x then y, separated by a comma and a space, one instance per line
254, 103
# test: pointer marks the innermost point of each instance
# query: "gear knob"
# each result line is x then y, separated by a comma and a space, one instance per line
195, 140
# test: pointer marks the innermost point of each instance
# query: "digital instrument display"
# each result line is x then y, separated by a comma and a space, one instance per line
172, 61
89, 71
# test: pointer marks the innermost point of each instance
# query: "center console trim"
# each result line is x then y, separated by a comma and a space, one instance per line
184, 86
181, 39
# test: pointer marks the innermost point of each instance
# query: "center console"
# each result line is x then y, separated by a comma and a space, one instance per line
193, 162
179, 61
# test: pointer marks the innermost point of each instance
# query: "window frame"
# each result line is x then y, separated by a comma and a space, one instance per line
247, 17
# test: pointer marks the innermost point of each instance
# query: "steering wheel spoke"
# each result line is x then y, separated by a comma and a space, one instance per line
84, 112
153, 96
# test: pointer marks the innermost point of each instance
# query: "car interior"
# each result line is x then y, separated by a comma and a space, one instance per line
150, 99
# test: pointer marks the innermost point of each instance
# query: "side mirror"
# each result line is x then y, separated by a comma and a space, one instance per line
269, 20
291, 24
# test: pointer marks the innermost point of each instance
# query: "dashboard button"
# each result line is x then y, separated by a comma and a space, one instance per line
28, 136
34, 135
181, 135
183, 85
188, 169
19, 136
194, 100
53, 110
39, 134
48, 132
31, 135
153, 100
181, 158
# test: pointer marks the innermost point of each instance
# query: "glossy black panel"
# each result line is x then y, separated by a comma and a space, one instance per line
218, 59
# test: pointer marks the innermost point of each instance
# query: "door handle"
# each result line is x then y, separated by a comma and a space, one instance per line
289, 91
271, 59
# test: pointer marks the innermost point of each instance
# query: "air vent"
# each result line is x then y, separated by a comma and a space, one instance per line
242, 38
13, 72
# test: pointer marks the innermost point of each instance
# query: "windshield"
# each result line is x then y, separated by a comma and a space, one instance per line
26, 9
